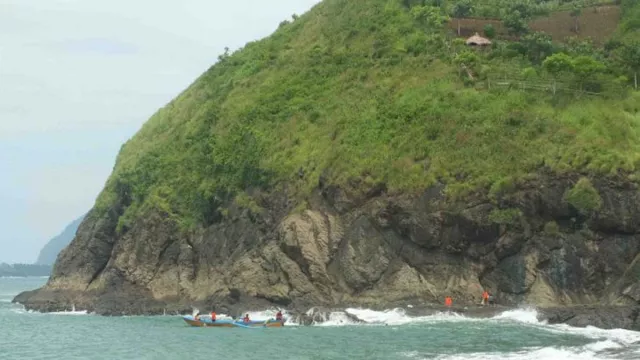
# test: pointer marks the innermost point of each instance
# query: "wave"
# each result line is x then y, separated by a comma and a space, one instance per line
24, 311
600, 350
578, 353
80, 312
19, 309
604, 346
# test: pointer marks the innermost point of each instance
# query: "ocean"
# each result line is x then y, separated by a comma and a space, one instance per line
514, 334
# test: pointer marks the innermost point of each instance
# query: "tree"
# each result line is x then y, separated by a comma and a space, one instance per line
523, 8
516, 23
585, 67
630, 56
557, 64
429, 16
539, 46
467, 61
575, 14
489, 31
462, 9
224, 56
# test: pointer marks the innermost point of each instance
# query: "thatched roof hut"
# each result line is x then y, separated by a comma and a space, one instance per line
477, 40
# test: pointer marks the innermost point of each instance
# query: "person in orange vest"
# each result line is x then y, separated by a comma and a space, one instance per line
448, 301
485, 298
213, 316
246, 318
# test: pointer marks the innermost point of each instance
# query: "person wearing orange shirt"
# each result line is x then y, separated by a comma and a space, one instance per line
485, 298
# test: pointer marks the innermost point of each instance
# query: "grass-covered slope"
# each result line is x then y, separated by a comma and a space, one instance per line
375, 89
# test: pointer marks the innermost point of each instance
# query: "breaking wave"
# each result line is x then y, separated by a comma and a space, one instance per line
607, 344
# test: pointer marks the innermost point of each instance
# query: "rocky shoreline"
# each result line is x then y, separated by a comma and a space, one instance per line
362, 247
601, 316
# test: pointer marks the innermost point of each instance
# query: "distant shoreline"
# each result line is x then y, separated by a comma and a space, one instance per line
25, 270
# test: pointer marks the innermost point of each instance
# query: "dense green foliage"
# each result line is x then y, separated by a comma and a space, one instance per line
503, 9
372, 89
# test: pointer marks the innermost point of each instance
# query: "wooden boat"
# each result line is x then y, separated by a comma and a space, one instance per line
206, 322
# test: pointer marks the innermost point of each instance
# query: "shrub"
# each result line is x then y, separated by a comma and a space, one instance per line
489, 31
584, 197
551, 228
505, 216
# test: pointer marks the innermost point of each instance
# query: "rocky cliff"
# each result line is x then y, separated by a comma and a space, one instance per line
361, 246
356, 158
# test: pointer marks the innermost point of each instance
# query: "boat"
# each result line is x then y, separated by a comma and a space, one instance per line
206, 322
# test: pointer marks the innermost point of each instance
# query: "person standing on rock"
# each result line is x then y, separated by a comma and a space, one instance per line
485, 298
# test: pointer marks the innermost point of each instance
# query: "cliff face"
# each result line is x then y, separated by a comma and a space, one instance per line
50, 251
361, 246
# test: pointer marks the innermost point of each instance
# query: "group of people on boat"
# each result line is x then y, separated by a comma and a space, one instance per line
245, 319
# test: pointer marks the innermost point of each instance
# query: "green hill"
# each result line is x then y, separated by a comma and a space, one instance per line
363, 155
372, 91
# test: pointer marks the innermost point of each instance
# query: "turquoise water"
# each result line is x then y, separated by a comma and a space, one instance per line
512, 335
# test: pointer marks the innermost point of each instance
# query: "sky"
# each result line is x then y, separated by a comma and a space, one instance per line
78, 78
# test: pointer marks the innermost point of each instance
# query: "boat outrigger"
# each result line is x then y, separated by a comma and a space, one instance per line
206, 322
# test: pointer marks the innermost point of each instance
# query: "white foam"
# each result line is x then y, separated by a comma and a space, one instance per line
524, 315
603, 345
527, 354
336, 318
22, 311
81, 312
393, 317
398, 316
603, 339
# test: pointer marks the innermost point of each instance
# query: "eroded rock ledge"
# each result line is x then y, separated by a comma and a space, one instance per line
362, 246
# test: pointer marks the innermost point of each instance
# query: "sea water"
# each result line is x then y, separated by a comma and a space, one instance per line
392, 334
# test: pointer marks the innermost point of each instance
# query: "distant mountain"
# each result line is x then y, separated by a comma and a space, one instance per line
50, 252
24, 270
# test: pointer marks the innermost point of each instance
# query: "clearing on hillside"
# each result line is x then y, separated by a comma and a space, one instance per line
598, 23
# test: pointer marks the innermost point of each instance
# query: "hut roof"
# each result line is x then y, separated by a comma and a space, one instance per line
478, 40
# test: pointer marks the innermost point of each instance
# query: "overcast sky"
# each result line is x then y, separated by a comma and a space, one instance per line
79, 77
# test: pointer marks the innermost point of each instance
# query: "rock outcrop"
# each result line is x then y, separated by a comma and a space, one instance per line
362, 246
